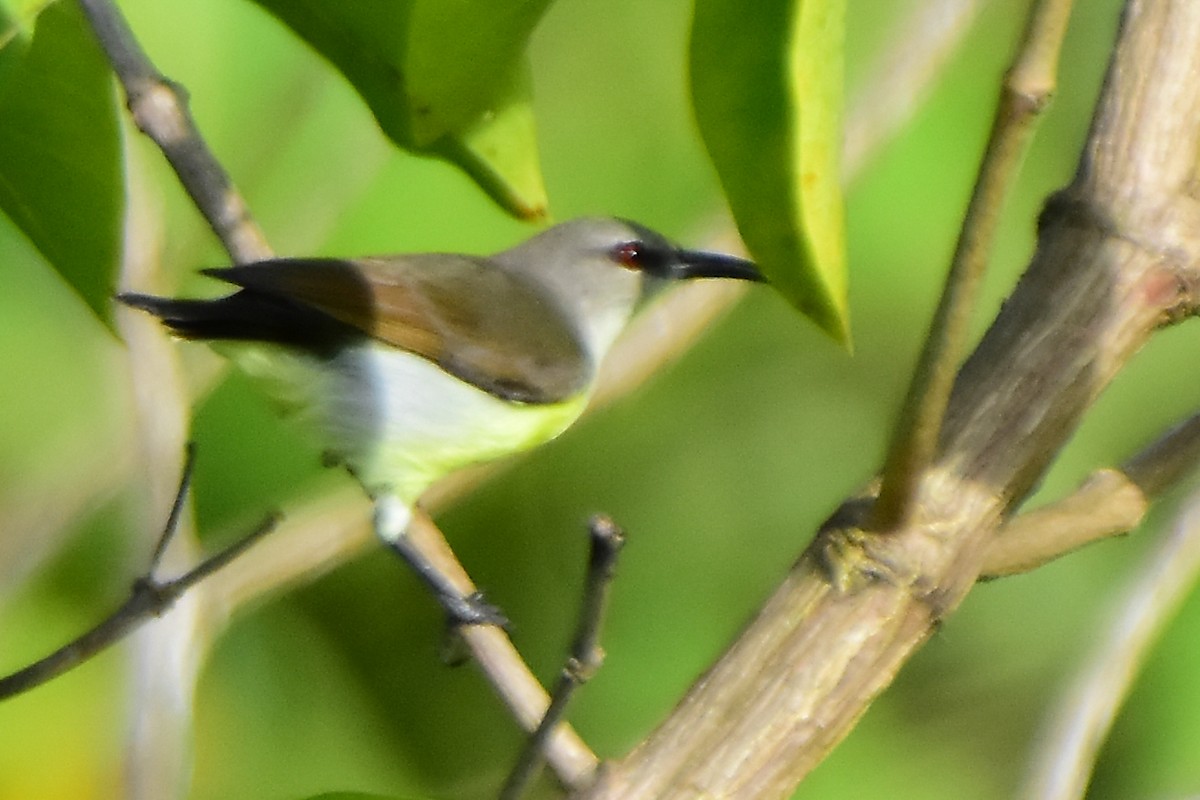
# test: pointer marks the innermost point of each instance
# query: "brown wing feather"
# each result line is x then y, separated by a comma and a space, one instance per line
476, 321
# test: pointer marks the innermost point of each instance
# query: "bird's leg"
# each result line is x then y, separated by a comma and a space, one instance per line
392, 518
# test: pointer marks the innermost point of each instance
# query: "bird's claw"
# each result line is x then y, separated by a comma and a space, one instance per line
472, 609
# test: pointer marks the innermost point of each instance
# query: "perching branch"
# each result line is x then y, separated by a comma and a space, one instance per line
1026, 92
586, 656
503, 667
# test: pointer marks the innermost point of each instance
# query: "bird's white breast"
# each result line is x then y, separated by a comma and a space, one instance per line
398, 420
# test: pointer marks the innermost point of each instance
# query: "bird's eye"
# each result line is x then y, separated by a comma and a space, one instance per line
629, 255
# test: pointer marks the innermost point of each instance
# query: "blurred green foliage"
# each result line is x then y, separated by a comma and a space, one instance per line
720, 468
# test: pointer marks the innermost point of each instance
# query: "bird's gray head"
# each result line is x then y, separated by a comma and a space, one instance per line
598, 269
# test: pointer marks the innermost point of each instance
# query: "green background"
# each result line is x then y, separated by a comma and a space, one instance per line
720, 468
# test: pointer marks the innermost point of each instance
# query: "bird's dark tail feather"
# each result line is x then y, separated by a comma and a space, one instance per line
244, 316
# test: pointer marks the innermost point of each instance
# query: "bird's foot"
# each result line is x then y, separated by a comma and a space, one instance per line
471, 609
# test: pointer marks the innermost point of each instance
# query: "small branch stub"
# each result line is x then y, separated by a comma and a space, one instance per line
586, 655
148, 597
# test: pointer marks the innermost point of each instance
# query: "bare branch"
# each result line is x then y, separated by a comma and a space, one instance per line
509, 676
159, 107
1027, 89
585, 658
148, 597
1109, 503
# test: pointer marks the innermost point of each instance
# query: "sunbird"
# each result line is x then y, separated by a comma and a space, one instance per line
409, 367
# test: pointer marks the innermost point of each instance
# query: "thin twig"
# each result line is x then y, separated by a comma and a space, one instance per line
585, 658
509, 676
1027, 89
1079, 725
148, 598
177, 507
1109, 503
159, 107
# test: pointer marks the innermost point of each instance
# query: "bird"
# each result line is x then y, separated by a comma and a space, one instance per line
409, 367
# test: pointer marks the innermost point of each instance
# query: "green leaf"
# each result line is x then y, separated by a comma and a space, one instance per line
462, 56
767, 90
494, 154
444, 78
60, 148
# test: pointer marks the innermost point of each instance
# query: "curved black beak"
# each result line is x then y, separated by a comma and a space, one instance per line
700, 264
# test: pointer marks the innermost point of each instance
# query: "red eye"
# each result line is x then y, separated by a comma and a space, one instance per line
628, 255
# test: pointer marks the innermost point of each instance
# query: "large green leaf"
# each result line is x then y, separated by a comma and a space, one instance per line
767, 90
446, 78
60, 147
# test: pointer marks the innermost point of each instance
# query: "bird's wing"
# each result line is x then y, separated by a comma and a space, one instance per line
475, 321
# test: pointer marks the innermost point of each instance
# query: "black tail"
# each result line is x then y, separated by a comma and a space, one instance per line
245, 316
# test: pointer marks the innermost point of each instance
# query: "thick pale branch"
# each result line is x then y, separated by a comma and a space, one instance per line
1099, 284
165, 658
